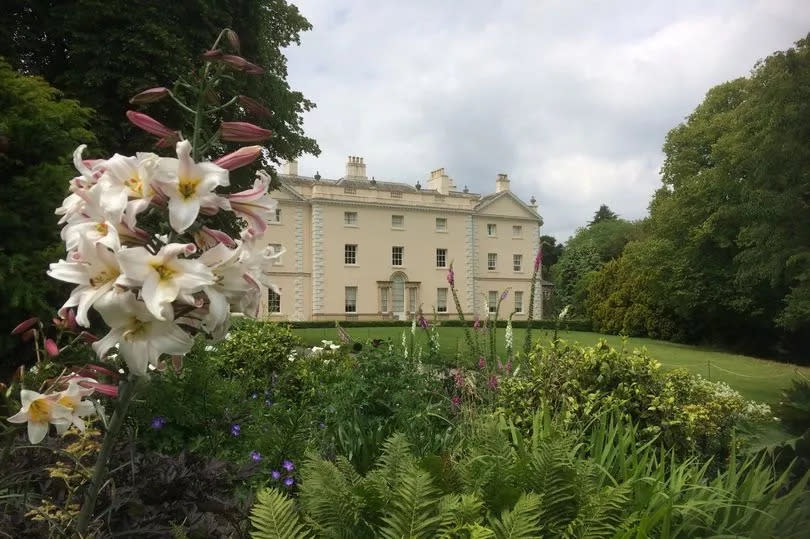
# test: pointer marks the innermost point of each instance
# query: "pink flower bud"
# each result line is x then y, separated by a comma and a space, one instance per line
237, 62
28, 335
219, 236
451, 277
91, 370
105, 389
150, 96
51, 348
538, 259
71, 320
254, 107
239, 158
25, 325
88, 337
212, 54
149, 124
243, 132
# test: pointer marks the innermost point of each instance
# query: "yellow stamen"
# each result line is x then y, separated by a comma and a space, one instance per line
135, 184
67, 402
136, 328
39, 411
187, 187
103, 277
102, 228
164, 272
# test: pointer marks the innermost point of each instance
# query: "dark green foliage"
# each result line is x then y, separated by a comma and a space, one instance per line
38, 132
794, 408
104, 52
604, 213
726, 258
569, 324
274, 517
255, 351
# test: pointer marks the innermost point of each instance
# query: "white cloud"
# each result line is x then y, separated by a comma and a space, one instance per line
572, 99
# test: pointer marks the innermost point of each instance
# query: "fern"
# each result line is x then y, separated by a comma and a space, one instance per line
413, 507
274, 517
522, 522
328, 498
553, 476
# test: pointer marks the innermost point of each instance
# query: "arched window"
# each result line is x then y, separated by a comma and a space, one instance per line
398, 292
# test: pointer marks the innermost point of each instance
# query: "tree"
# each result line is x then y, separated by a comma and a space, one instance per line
551, 251
603, 214
39, 131
102, 52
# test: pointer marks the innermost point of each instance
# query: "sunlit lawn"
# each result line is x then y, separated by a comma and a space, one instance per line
757, 379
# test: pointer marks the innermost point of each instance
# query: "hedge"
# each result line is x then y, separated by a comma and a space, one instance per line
567, 325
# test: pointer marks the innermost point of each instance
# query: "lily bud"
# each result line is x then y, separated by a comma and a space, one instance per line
243, 132
212, 54
51, 347
25, 325
237, 62
88, 337
219, 236
149, 124
105, 389
254, 107
150, 96
239, 158
71, 320
233, 39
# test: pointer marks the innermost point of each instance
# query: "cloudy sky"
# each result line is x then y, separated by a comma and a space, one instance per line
572, 99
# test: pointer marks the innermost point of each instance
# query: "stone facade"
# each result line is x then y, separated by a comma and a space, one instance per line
363, 249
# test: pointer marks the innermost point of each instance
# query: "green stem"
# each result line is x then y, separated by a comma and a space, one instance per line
128, 391
527, 345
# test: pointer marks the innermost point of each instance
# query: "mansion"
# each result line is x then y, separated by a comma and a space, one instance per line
364, 249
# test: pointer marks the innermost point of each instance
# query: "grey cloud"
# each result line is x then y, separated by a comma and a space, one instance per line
571, 99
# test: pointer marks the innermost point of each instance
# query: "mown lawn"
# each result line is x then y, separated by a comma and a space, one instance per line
757, 379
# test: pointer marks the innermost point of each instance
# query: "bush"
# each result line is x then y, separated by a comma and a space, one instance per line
255, 351
687, 412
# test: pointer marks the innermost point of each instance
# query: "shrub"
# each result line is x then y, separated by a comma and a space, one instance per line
254, 351
687, 412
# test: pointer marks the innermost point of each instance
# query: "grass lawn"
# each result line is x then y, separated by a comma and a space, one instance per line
757, 379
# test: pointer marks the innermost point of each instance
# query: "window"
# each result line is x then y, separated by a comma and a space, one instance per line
517, 262
384, 299
441, 258
349, 190
517, 231
396, 194
492, 261
351, 299
397, 221
397, 255
493, 301
350, 254
273, 302
492, 229
518, 301
441, 300
412, 299
278, 215
441, 224
276, 247
350, 218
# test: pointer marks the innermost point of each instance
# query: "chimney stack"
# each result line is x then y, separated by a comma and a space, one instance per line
355, 168
290, 168
502, 183
440, 182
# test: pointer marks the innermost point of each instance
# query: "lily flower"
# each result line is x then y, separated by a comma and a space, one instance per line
190, 187
163, 276
39, 411
71, 398
141, 338
95, 269
255, 205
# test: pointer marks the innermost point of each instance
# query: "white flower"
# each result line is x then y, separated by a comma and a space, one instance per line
94, 268
39, 411
317, 349
190, 187
141, 338
564, 312
71, 398
254, 205
163, 276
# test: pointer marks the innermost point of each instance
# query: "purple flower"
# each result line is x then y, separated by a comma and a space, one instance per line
288, 465
276, 475
422, 322
493, 382
289, 481
482, 363
158, 422
451, 277
256, 456
236, 430
459, 379
505, 293
455, 403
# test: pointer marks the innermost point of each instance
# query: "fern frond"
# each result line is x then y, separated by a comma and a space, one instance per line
274, 517
328, 498
413, 507
457, 513
522, 522
396, 456
602, 515
553, 476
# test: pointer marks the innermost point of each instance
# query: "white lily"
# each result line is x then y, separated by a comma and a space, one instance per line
71, 398
94, 268
229, 286
141, 338
127, 178
163, 277
39, 411
255, 205
189, 187
91, 221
